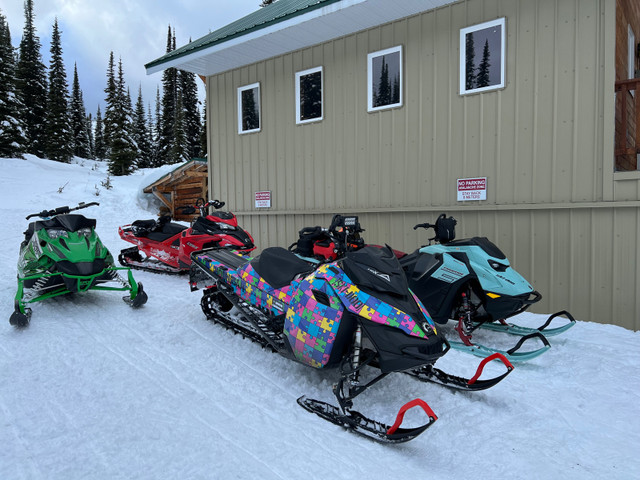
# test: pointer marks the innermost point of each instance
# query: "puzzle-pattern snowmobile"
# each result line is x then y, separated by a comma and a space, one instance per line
61, 254
350, 314
167, 245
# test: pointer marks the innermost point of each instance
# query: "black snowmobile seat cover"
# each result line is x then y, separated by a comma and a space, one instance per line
278, 266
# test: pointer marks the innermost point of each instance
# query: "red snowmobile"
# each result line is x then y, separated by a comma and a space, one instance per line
167, 245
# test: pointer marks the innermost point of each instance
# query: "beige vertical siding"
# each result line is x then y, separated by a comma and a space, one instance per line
544, 143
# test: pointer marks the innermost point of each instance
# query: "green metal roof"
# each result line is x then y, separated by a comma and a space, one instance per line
275, 13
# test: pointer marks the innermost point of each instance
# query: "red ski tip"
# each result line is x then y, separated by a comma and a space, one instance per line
418, 402
495, 356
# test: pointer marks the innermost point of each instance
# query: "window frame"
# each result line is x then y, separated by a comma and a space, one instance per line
240, 90
299, 75
370, 57
463, 55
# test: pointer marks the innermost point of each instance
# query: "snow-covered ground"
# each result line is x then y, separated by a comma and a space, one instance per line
95, 390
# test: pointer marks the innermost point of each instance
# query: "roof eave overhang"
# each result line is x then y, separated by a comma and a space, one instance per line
317, 26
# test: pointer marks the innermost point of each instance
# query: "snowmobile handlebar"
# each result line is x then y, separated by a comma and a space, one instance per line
424, 225
61, 210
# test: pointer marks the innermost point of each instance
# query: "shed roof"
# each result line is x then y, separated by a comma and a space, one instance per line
282, 27
194, 167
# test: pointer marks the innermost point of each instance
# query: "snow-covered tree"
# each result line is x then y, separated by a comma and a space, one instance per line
81, 140
169, 98
141, 133
180, 149
123, 149
31, 84
192, 124
12, 135
59, 136
112, 103
98, 136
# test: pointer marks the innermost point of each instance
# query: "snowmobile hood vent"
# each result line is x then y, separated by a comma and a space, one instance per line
376, 268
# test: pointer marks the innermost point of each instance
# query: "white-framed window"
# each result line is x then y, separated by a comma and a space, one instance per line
309, 95
249, 108
384, 79
482, 57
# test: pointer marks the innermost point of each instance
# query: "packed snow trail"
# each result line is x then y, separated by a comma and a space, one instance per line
94, 389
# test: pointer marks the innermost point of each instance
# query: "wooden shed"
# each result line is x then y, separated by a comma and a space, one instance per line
181, 187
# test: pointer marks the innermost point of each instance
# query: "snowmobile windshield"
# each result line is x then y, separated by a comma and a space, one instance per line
70, 223
487, 245
377, 269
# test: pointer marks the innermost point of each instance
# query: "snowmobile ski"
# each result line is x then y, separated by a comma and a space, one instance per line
513, 329
356, 422
513, 355
429, 373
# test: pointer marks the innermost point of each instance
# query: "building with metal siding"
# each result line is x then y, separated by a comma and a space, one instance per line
544, 141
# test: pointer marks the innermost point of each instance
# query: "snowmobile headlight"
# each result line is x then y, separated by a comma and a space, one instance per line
57, 233
84, 232
497, 266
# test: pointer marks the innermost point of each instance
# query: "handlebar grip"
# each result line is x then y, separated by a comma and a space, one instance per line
422, 225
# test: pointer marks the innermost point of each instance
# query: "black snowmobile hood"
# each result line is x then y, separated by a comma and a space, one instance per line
377, 269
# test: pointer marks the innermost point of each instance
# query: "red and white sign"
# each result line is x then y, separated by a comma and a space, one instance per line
263, 199
472, 189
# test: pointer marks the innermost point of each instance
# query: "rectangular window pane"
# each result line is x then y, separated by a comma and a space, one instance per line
249, 108
309, 95
385, 79
482, 57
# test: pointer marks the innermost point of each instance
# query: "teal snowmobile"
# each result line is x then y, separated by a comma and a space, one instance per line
355, 314
471, 282
61, 254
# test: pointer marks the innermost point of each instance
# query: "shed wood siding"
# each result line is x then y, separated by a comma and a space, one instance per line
545, 144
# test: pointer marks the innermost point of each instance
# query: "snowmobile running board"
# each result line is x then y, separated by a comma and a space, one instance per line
514, 329
355, 422
512, 355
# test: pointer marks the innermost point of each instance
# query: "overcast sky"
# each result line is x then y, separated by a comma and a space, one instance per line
136, 32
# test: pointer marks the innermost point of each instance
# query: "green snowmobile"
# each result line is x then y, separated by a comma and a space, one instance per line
62, 254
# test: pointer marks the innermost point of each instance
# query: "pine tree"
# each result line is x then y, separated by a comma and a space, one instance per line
12, 135
180, 149
154, 128
141, 133
123, 149
470, 69
59, 136
111, 101
98, 136
31, 83
81, 140
192, 125
169, 98
483, 70
89, 128
384, 86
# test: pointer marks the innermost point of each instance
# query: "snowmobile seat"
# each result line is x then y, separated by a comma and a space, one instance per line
278, 266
